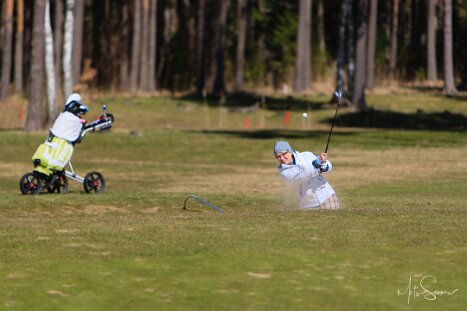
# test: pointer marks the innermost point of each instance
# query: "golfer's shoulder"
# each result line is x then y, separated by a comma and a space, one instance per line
307, 155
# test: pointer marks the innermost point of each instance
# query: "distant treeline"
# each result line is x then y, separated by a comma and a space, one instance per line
214, 47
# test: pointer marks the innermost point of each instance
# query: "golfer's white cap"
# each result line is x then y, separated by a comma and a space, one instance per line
282, 146
75, 97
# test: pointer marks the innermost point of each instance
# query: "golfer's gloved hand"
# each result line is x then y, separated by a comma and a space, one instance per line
316, 163
324, 167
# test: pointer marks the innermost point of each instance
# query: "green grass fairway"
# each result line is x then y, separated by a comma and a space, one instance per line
133, 247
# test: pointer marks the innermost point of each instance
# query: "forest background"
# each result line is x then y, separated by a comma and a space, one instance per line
220, 49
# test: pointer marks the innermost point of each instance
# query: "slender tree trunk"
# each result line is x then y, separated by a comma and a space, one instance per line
200, 70
171, 25
135, 46
370, 76
58, 36
144, 47
340, 61
190, 16
387, 37
77, 41
124, 22
7, 47
303, 57
67, 48
19, 47
394, 31
358, 99
152, 47
432, 22
49, 64
350, 49
219, 82
449, 85
241, 38
321, 41
36, 116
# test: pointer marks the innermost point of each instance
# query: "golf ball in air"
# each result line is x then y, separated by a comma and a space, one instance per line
305, 115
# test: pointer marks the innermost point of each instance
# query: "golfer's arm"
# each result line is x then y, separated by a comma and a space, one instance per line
299, 173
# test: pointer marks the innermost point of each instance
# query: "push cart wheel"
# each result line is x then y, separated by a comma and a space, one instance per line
60, 185
30, 184
94, 182
110, 117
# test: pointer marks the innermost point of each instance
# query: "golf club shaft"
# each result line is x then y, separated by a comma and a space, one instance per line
333, 122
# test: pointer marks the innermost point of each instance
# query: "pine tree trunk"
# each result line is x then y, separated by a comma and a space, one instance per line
302, 78
321, 41
135, 46
394, 31
19, 47
77, 41
7, 47
200, 66
67, 49
350, 48
358, 98
124, 44
36, 116
49, 64
219, 82
58, 41
449, 85
190, 16
152, 47
432, 22
340, 61
144, 47
370, 67
241, 38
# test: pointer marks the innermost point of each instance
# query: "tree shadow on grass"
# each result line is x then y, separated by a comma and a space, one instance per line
270, 134
445, 121
244, 100
437, 91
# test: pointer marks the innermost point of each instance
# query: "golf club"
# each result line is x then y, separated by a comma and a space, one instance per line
336, 96
218, 209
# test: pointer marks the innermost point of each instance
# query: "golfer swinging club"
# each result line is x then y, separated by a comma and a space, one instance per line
302, 170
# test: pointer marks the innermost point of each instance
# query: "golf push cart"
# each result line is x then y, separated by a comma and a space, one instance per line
45, 176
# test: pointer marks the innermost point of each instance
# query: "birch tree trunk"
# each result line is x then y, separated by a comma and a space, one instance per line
36, 116
449, 85
19, 47
49, 64
370, 67
302, 78
67, 48
432, 22
7, 47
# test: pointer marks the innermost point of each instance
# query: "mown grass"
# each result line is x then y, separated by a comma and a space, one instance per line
134, 248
